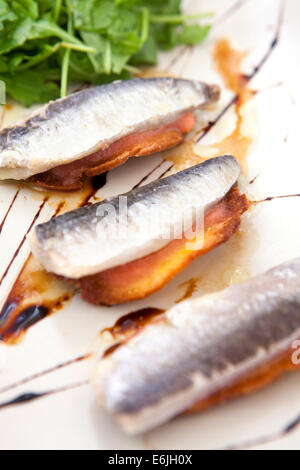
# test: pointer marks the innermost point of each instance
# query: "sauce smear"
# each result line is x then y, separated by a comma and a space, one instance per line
34, 295
132, 322
228, 63
128, 325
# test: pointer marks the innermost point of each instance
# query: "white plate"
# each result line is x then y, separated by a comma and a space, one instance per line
270, 235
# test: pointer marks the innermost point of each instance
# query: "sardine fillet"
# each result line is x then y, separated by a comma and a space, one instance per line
140, 278
204, 351
87, 241
79, 125
70, 177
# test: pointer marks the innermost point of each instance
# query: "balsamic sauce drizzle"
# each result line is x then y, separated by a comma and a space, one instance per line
272, 198
253, 179
166, 171
23, 240
28, 317
128, 325
8, 210
205, 130
31, 396
137, 185
133, 321
287, 429
21, 399
62, 365
97, 182
185, 49
230, 11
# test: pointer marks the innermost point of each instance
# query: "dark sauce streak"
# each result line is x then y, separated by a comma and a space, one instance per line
191, 288
23, 240
128, 325
249, 77
8, 210
253, 179
272, 198
28, 317
6, 311
273, 44
204, 131
97, 182
230, 11
13, 323
59, 208
111, 349
166, 171
25, 398
45, 372
147, 175
287, 429
134, 320
31, 396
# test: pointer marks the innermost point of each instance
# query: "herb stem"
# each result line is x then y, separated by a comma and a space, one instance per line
64, 73
107, 57
36, 60
65, 36
66, 59
131, 69
145, 25
57, 10
78, 47
178, 19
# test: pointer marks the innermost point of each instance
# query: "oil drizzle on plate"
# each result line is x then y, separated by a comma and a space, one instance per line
228, 63
191, 286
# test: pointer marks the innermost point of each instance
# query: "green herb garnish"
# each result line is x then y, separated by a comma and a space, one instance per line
47, 44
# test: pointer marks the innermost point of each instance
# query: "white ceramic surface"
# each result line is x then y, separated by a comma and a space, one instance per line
72, 419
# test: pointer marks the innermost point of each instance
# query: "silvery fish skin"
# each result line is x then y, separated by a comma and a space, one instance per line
71, 128
198, 348
82, 242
